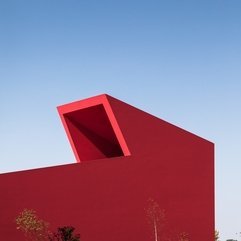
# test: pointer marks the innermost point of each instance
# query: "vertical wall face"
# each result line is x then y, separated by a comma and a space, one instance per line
132, 157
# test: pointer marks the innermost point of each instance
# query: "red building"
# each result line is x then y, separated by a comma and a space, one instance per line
125, 157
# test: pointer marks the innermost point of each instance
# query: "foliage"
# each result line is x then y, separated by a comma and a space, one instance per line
216, 235
65, 233
183, 237
37, 229
33, 228
156, 218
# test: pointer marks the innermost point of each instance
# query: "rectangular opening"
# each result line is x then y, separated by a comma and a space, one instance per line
92, 134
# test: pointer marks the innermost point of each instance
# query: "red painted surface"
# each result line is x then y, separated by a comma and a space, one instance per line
126, 157
92, 129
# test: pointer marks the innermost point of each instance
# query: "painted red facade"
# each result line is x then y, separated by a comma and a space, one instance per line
124, 158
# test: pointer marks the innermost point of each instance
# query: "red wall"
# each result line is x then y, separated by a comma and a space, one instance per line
105, 195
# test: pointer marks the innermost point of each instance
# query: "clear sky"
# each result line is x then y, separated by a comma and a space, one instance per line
179, 60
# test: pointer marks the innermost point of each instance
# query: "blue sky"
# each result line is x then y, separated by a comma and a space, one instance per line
179, 60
